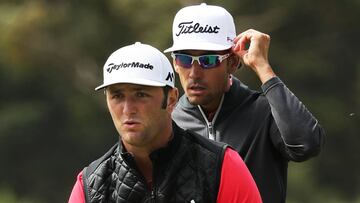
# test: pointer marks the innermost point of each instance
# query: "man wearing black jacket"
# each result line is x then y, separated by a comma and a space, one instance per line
268, 128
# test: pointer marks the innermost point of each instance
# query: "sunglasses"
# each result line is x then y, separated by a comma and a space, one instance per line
205, 61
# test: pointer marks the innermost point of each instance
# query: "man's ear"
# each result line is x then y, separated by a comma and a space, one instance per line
172, 99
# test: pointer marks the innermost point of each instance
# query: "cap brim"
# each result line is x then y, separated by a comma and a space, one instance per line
135, 81
198, 46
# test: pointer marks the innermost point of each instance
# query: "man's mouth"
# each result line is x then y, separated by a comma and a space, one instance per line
130, 123
196, 89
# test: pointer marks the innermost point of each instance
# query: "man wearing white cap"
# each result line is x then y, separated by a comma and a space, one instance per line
155, 160
267, 128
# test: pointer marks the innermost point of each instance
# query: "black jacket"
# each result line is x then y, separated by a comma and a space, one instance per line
267, 128
189, 168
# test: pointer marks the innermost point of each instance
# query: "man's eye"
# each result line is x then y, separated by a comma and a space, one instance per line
116, 96
141, 94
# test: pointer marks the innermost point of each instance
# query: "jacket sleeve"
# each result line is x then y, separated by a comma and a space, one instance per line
77, 194
236, 183
294, 131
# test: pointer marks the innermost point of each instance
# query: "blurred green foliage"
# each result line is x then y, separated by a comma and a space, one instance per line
53, 123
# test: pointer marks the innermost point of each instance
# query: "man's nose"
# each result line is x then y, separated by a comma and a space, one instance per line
196, 70
129, 106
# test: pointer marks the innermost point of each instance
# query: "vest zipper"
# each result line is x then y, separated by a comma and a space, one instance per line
153, 188
153, 195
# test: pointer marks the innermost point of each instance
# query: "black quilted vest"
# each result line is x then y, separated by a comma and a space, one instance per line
187, 170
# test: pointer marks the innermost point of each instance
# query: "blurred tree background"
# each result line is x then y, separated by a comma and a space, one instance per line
53, 123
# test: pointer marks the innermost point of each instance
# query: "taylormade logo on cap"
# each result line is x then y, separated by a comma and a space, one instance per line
113, 66
202, 27
139, 64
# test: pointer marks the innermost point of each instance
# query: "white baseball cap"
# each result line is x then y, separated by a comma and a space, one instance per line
138, 64
202, 27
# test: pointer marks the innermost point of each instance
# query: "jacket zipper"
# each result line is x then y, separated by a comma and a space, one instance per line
211, 131
210, 125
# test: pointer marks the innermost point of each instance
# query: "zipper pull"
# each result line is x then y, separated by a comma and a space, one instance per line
153, 196
211, 131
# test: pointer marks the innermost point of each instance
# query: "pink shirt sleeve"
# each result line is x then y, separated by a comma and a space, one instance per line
236, 184
77, 194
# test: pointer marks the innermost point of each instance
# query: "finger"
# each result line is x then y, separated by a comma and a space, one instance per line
236, 39
243, 41
235, 47
240, 44
242, 54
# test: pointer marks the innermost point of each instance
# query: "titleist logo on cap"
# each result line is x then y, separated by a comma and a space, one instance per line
113, 66
191, 27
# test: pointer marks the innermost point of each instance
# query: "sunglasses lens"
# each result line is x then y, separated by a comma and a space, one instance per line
183, 60
206, 61
209, 61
